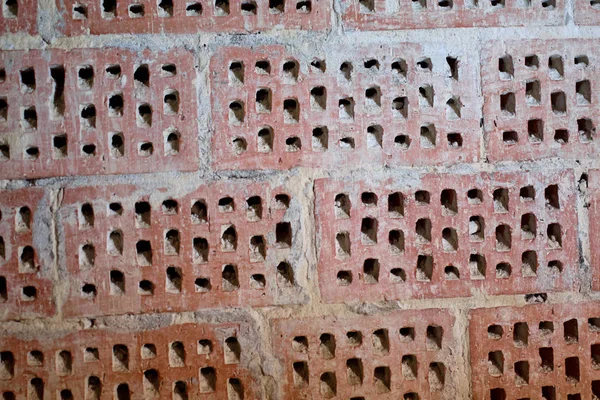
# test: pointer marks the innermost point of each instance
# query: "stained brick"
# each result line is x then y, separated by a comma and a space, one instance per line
107, 17
18, 16
384, 357
427, 14
390, 106
586, 12
25, 287
594, 235
96, 363
536, 351
446, 236
101, 112
133, 251
539, 99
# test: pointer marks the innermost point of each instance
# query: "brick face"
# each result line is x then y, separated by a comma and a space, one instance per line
162, 362
18, 16
400, 106
438, 236
594, 213
96, 117
221, 245
540, 350
400, 354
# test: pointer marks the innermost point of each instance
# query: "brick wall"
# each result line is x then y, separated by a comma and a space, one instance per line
299, 199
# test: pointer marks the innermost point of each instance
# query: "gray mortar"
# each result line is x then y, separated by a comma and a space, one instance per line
260, 356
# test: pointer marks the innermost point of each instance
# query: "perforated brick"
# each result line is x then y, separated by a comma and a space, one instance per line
25, 285
401, 355
179, 362
539, 99
427, 14
594, 227
133, 251
167, 16
586, 12
541, 351
89, 112
18, 16
385, 106
446, 236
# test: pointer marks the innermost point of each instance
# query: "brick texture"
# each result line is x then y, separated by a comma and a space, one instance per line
18, 16
587, 12
80, 16
442, 236
25, 287
169, 362
594, 215
89, 112
221, 245
422, 14
393, 106
406, 353
539, 99
537, 351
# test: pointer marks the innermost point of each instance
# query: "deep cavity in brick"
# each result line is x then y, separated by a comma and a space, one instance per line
57, 73
571, 331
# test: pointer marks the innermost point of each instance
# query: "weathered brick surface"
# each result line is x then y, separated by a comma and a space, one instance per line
385, 357
81, 112
81, 16
397, 110
187, 253
423, 14
594, 221
497, 233
18, 16
103, 364
537, 351
542, 104
587, 12
25, 287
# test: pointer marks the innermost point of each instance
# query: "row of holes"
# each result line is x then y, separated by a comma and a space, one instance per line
521, 330
151, 385
448, 200
556, 69
60, 148
174, 282
548, 392
535, 133
165, 8
28, 293
371, 270
198, 210
368, 6
533, 96
382, 377
291, 68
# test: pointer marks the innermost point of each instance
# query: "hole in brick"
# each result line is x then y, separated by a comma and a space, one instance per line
88, 116
407, 334
342, 206
400, 107
236, 70
204, 346
426, 96
32, 153
434, 337
477, 266
145, 149
397, 275
571, 331
346, 70
381, 341
546, 359
575, 396
239, 145
554, 236
529, 262
248, 7
300, 374
23, 219
200, 250
293, 144
476, 228
202, 285
169, 206
109, 8
498, 3
374, 136
455, 140
229, 277
496, 363
208, 380
344, 278
346, 108
528, 226
595, 356
89, 291
3, 109
320, 138
258, 250
411, 396
532, 61
500, 200
428, 136
27, 80
317, 65
328, 385
586, 130
146, 288
144, 115
366, 6
452, 64
419, 4
265, 140
143, 214
342, 245
276, 6
495, 332
123, 392
59, 146
171, 101
291, 111
64, 363
409, 367
510, 137
594, 324
113, 71
581, 61
262, 67
57, 73
87, 256
136, 10
552, 197
437, 376
451, 272
141, 76
318, 98
114, 245
572, 369
475, 196
400, 68
584, 92
521, 334
327, 346
35, 358
169, 70
423, 230
290, 71
449, 240
448, 201
453, 107
35, 389
382, 379
508, 103
559, 102
117, 283
548, 393
373, 97
120, 358
503, 238
354, 371
354, 338
7, 365
235, 389
29, 293
521, 373
371, 64
555, 63
396, 240
263, 100
144, 252
533, 92
424, 271
258, 281
347, 143
422, 197
303, 6
172, 242
371, 270
368, 231
506, 67
549, 4
283, 235
180, 391
117, 145
29, 120
503, 270
176, 354
300, 344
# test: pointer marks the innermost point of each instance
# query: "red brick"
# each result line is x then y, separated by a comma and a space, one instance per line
155, 19
408, 272
586, 12
70, 159
25, 287
20, 17
388, 124
594, 233
427, 14
549, 329
416, 341
58, 376
542, 129
166, 296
